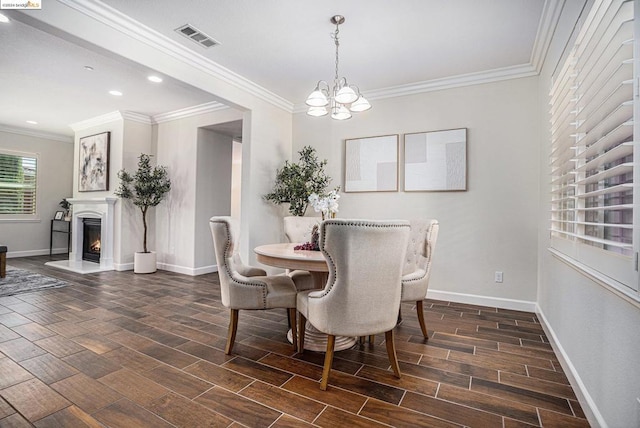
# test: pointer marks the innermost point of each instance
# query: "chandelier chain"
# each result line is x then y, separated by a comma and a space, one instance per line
337, 42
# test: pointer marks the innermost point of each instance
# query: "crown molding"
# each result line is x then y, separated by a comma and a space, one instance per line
551, 12
188, 112
130, 27
141, 118
136, 117
96, 121
505, 73
37, 134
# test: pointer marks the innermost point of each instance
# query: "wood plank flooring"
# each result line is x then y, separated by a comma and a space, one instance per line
115, 349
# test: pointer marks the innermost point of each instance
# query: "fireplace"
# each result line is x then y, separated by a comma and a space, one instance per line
91, 230
100, 210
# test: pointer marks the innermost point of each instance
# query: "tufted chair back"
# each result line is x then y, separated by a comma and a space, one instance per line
417, 267
298, 229
240, 288
362, 294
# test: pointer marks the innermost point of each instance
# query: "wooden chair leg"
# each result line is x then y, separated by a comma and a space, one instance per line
302, 321
294, 328
391, 351
372, 339
328, 360
420, 311
233, 327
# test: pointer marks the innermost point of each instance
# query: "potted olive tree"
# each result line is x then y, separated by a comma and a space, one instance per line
295, 182
146, 188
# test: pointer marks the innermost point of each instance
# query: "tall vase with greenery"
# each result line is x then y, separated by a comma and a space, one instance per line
295, 182
146, 188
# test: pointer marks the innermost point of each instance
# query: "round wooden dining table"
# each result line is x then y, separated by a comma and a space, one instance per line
286, 257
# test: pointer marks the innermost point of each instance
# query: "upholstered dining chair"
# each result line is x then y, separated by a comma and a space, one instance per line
417, 267
362, 294
245, 287
298, 230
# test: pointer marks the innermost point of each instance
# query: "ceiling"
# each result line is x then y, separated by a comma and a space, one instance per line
283, 46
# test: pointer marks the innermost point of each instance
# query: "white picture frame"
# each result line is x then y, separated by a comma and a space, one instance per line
435, 161
371, 164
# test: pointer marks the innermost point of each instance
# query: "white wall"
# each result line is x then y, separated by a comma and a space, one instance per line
596, 330
179, 223
55, 166
213, 191
490, 227
137, 139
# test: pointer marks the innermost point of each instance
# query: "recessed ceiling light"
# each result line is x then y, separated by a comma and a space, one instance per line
88, 68
154, 79
3, 18
32, 122
116, 93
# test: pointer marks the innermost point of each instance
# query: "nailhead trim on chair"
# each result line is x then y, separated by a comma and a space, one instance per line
356, 223
226, 267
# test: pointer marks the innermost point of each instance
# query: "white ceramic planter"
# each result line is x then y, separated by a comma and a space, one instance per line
144, 262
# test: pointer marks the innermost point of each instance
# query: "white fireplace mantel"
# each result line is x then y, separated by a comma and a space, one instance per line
102, 208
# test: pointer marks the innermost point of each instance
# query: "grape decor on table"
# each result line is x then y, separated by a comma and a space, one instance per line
313, 245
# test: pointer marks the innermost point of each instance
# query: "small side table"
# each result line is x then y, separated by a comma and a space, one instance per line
54, 229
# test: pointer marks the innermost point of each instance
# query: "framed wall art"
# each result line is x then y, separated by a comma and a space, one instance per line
435, 161
371, 164
93, 170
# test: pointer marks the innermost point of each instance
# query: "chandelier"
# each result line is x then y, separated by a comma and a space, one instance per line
342, 98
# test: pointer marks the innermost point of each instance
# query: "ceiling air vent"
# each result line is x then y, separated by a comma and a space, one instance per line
197, 36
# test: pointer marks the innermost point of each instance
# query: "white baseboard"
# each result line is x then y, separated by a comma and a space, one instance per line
584, 398
472, 299
187, 270
123, 266
31, 253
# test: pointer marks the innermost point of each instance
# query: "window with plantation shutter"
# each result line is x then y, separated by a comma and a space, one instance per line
593, 109
18, 183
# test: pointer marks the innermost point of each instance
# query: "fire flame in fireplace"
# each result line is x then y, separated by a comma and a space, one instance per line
95, 246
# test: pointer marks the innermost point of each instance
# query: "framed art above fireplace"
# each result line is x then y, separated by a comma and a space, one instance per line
93, 168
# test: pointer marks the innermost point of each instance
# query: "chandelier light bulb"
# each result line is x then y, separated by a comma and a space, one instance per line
346, 95
317, 99
340, 112
317, 111
361, 104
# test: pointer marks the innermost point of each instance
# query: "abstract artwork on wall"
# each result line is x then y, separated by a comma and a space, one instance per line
435, 161
93, 171
371, 164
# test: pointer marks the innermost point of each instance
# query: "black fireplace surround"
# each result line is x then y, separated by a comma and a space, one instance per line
91, 228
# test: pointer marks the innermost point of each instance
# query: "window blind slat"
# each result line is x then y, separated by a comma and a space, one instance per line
591, 160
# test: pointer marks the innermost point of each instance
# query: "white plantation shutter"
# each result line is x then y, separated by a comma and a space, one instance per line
592, 147
18, 184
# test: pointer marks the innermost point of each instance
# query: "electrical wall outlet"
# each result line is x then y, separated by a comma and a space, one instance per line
498, 277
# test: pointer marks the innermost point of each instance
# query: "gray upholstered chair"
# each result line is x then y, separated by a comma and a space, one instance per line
298, 230
362, 294
417, 267
245, 287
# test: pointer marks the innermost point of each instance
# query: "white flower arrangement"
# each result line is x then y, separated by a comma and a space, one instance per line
326, 204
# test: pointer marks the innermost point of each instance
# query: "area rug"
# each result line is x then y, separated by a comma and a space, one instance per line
23, 281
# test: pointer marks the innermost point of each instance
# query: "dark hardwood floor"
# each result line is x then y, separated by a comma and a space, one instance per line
116, 349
